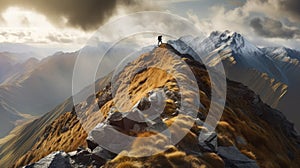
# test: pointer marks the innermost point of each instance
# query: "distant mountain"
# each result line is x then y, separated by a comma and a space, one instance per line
27, 50
7, 61
248, 134
271, 72
35, 87
9, 64
18, 71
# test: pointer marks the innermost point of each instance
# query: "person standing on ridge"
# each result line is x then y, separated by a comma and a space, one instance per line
159, 40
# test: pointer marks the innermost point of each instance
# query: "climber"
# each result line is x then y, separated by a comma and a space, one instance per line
159, 39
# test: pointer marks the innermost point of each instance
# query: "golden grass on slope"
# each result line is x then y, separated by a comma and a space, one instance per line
27, 135
146, 81
175, 159
171, 157
262, 142
130, 164
168, 155
19, 124
65, 133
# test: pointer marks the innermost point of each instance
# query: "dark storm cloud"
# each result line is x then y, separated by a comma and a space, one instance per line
271, 28
292, 7
84, 14
288, 8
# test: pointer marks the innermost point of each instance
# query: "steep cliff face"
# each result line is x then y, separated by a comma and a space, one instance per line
250, 133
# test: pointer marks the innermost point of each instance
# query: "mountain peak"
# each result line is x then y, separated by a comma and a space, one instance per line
226, 35
234, 40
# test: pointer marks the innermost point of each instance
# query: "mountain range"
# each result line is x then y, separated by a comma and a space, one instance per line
31, 87
271, 72
249, 133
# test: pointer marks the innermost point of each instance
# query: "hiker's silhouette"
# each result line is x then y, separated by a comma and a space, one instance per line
159, 38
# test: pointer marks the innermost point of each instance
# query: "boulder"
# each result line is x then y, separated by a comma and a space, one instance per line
103, 153
108, 137
84, 158
208, 141
127, 121
53, 160
91, 143
233, 158
79, 158
144, 104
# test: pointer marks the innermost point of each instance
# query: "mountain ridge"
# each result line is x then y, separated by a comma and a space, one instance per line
246, 127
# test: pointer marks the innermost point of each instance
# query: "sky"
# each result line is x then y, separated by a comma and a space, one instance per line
67, 25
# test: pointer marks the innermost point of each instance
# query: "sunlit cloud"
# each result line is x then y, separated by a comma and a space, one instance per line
16, 17
24, 26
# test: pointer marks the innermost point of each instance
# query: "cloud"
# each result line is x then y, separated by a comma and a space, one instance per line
13, 36
221, 19
280, 28
239, 18
278, 9
176, 1
25, 21
291, 7
58, 38
273, 28
236, 2
2, 19
87, 15
35, 36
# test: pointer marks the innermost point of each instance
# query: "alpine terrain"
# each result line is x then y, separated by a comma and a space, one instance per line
270, 72
250, 132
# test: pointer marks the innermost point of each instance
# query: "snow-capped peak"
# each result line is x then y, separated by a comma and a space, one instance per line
230, 38
227, 40
235, 41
